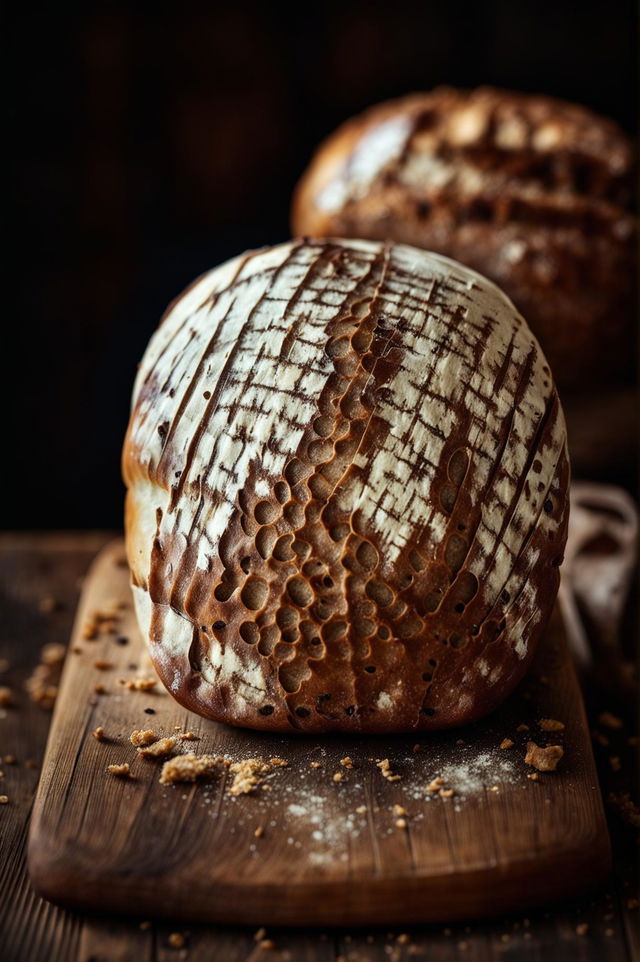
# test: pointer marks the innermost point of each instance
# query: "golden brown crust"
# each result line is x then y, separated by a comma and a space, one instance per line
347, 498
533, 192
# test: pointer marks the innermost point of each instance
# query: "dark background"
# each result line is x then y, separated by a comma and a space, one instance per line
151, 142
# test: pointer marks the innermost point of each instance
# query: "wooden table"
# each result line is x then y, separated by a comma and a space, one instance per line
40, 577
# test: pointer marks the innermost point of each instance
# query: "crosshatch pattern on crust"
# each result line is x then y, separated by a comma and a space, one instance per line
534, 192
347, 474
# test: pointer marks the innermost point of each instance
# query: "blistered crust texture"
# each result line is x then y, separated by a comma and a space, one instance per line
533, 192
347, 491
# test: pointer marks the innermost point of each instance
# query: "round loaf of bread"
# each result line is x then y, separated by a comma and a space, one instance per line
347, 491
533, 192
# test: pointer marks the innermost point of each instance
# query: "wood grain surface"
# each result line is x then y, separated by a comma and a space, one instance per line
602, 926
335, 845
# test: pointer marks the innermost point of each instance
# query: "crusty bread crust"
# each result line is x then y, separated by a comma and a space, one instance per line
347, 491
533, 192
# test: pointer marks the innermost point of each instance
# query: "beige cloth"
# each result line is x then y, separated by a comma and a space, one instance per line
600, 558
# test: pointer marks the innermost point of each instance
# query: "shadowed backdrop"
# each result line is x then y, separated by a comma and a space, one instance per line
149, 146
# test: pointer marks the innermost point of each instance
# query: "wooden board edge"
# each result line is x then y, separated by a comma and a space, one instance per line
390, 901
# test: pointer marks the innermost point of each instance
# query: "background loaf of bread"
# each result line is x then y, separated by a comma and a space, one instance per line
531, 191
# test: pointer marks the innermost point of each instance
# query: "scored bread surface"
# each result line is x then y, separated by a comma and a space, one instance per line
347, 475
533, 192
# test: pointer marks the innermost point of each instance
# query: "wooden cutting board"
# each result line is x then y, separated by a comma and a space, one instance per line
309, 849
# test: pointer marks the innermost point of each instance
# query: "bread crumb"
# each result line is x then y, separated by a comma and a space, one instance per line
338, 777
259, 832
102, 621
398, 810
435, 785
401, 823
494, 788
189, 737
385, 769
89, 630
403, 939
248, 774
4, 799
551, 725
316, 765
544, 759
159, 749
625, 807
45, 696
42, 684
609, 720
145, 737
278, 763
53, 654
534, 776
138, 684
267, 944
176, 940
102, 664
506, 743
361, 809
446, 793
522, 727
98, 733
121, 770
416, 747
6, 696
48, 604
187, 768
260, 934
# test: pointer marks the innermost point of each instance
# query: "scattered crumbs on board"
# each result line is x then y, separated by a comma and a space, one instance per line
42, 683
304, 803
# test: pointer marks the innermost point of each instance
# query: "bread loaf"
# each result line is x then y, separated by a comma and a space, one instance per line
347, 491
533, 192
